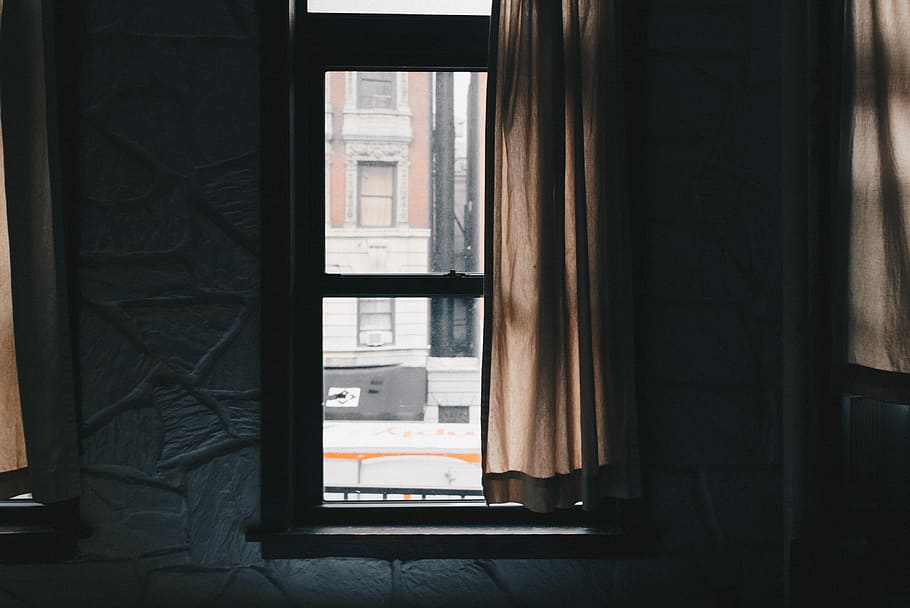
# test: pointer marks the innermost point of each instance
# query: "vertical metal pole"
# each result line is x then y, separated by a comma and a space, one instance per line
443, 208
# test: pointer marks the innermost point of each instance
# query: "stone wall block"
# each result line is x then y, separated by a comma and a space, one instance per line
130, 514
185, 332
446, 583
222, 84
223, 500
192, 422
336, 582
185, 587
133, 438
113, 364
235, 373
531, 582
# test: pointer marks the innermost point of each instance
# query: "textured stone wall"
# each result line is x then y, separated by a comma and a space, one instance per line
169, 331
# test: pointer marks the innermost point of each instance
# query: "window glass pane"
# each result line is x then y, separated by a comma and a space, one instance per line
377, 193
404, 172
401, 417
402, 7
375, 319
375, 90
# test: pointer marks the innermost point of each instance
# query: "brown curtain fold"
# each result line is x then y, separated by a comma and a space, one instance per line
874, 218
36, 249
13, 461
559, 389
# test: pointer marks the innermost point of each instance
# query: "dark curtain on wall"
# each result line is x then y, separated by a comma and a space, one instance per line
559, 381
872, 250
43, 355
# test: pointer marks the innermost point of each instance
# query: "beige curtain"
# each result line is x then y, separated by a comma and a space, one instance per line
13, 462
559, 390
43, 349
876, 204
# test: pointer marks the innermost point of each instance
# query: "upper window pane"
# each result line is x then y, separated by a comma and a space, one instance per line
402, 7
404, 172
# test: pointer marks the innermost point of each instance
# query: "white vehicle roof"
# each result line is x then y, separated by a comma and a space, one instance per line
400, 437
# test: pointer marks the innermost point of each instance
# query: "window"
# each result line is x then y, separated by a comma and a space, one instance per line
376, 194
389, 430
415, 167
375, 321
375, 90
387, 239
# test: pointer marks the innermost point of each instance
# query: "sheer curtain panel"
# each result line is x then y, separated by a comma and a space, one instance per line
559, 378
43, 350
874, 217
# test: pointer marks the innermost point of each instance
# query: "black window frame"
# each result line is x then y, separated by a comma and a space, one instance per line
297, 50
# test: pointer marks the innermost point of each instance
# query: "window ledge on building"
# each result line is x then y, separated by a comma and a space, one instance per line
366, 232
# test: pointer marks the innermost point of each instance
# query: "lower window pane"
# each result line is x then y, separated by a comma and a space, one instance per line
401, 387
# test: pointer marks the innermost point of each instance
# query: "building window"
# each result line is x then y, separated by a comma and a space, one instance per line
375, 90
376, 194
375, 321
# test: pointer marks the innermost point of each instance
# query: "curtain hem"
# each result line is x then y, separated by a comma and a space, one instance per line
881, 385
562, 491
13, 483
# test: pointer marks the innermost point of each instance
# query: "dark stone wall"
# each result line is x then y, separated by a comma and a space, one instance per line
169, 331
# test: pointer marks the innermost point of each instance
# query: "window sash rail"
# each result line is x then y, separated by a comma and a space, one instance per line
452, 284
381, 42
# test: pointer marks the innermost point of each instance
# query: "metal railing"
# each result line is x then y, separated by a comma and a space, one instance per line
409, 493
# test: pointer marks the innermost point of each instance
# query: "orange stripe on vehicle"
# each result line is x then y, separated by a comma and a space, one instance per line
472, 458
